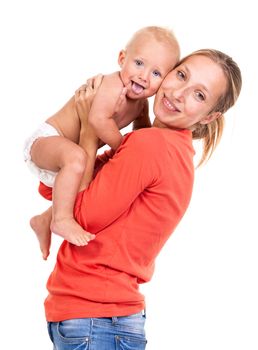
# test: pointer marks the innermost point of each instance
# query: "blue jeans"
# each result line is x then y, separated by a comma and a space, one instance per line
118, 333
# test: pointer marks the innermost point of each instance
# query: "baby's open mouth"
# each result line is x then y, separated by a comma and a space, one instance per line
137, 88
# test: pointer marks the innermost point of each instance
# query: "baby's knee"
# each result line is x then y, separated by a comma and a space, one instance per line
78, 160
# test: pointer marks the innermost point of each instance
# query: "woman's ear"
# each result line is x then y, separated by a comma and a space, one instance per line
211, 117
121, 57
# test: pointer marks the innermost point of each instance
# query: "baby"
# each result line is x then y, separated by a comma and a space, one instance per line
53, 151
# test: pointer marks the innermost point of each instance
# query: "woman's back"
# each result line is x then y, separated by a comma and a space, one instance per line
153, 169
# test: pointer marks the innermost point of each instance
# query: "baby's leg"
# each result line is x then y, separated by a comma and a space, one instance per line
89, 142
41, 226
61, 155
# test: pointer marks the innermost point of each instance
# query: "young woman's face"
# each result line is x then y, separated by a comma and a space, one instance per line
188, 94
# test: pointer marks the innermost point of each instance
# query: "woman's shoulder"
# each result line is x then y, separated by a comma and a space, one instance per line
153, 136
154, 142
147, 133
146, 137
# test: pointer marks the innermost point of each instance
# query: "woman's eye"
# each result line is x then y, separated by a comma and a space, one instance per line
181, 75
200, 96
156, 73
138, 62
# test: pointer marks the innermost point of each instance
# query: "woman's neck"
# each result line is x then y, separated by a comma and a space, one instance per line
158, 124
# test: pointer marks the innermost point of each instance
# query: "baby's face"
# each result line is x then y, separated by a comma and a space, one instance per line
144, 65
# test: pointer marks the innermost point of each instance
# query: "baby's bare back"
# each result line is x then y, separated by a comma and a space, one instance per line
66, 121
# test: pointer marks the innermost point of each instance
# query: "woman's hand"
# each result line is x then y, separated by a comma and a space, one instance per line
143, 120
85, 95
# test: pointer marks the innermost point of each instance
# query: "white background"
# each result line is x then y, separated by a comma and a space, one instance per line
204, 292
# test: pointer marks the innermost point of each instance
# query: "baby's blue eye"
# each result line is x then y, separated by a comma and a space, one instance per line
156, 73
138, 62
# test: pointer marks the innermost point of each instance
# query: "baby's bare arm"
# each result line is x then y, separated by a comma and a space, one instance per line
103, 108
143, 120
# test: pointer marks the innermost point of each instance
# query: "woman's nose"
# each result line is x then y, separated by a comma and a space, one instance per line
179, 94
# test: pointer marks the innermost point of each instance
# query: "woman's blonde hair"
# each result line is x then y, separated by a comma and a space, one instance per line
211, 133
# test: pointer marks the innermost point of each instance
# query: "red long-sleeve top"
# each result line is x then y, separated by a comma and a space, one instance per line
133, 205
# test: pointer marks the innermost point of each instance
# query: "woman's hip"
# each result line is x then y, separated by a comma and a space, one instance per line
123, 332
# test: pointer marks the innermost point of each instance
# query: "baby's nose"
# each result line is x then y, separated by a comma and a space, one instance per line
144, 76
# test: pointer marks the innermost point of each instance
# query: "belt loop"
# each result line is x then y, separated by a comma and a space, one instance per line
144, 312
114, 320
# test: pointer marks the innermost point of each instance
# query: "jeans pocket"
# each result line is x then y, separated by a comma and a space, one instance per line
130, 342
74, 331
50, 331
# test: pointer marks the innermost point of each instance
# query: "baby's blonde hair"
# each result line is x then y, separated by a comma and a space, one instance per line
211, 133
161, 34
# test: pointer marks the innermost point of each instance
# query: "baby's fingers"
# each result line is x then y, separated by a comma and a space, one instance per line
121, 100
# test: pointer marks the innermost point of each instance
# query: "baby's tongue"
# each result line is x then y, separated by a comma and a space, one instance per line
137, 89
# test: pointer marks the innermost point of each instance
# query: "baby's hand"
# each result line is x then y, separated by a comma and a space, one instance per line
143, 120
121, 100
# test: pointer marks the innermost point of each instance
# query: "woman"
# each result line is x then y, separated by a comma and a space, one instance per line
133, 205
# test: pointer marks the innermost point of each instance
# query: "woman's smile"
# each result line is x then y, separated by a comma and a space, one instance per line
171, 106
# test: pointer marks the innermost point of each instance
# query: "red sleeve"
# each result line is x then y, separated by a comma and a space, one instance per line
120, 182
101, 160
46, 191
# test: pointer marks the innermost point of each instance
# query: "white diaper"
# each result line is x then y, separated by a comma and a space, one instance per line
45, 176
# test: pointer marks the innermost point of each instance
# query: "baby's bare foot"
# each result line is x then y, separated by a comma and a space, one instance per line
41, 226
71, 231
